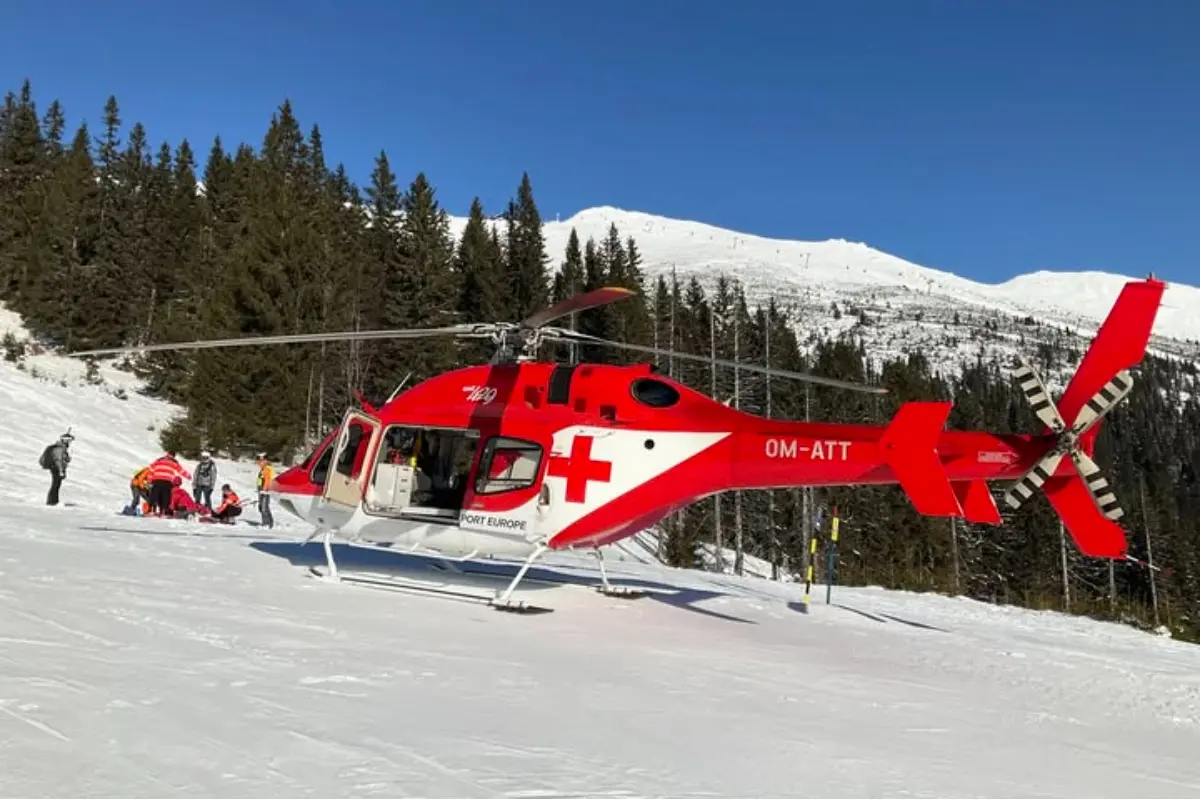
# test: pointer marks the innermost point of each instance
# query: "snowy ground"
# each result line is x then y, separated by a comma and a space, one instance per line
155, 658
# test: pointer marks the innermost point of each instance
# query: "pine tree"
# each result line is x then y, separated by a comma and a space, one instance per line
424, 292
381, 302
569, 281
526, 253
483, 295
596, 322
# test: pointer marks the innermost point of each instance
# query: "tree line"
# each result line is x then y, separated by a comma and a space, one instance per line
108, 241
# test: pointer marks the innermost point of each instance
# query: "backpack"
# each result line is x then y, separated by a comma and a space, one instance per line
204, 472
47, 459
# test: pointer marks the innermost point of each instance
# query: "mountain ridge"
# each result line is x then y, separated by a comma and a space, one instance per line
907, 307
652, 231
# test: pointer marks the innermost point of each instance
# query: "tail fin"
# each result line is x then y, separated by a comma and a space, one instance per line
910, 448
1084, 501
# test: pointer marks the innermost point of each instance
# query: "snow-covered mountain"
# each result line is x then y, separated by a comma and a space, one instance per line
908, 307
157, 657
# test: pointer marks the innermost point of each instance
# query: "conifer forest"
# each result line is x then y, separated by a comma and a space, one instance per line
108, 238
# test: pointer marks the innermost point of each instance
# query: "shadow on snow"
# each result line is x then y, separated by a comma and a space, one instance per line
488, 576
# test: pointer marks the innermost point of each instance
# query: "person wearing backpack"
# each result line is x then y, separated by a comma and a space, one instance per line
205, 480
56, 458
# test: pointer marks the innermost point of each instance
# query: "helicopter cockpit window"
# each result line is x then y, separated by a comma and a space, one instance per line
320, 470
654, 393
349, 461
507, 465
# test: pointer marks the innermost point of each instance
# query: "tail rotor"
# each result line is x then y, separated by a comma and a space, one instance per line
1070, 442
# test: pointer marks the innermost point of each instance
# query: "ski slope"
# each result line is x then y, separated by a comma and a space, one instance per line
158, 658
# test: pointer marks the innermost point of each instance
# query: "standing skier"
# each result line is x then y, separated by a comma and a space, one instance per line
205, 480
265, 476
56, 458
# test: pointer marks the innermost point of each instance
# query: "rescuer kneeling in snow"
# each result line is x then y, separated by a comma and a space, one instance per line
230, 506
182, 504
139, 491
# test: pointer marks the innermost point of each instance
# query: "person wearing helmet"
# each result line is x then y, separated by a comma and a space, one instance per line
56, 458
182, 504
205, 480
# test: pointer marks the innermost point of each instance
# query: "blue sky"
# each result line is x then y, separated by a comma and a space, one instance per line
985, 138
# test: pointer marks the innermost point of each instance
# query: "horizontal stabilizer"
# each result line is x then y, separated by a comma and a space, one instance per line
977, 502
1095, 534
909, 447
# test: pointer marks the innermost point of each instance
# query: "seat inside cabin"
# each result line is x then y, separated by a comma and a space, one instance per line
422, 471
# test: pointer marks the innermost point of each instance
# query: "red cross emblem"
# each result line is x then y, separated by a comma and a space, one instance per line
579, 468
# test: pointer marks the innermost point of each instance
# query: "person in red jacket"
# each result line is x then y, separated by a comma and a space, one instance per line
182, 504
163, 472
230, 506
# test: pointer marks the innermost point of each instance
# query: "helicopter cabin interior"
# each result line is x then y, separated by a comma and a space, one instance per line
420, 472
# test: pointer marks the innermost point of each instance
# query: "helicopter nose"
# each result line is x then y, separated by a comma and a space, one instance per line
294, 481
296, 493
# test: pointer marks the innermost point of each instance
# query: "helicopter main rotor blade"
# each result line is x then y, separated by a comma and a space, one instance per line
583, 338
580, 302
463, 331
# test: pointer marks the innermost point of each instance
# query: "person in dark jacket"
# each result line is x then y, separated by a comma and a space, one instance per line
56, 458
205, 480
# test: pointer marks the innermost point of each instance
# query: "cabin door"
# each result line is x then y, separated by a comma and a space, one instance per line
349, 471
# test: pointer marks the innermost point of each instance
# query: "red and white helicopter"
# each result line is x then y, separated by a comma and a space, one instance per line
518, 456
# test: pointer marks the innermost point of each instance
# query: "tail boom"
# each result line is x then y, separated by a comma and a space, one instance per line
945, 474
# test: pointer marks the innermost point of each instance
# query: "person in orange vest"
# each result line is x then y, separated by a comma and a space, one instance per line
230, 506
139, 490
163, 472
265, 476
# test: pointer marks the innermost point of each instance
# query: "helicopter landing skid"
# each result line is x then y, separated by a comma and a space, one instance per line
607, 589
501, 602
427, 589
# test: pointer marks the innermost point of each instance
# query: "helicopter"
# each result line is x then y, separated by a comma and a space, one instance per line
518, 457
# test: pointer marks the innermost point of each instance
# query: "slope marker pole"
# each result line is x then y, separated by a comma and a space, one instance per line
831, 557
808, 573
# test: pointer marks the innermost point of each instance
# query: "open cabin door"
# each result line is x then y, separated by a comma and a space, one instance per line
350, 467
421, 472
